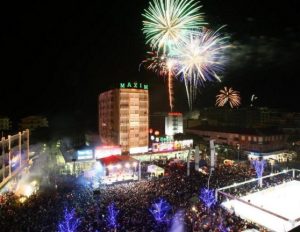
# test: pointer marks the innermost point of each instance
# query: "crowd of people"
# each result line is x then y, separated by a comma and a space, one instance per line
45, 210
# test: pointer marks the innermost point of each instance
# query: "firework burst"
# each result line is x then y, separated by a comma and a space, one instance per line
228, 95
200, 58
164, 67
167, 22
156, 63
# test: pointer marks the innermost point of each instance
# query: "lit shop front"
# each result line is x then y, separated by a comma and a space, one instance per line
82, 161
182, 155
173, 145
105, 151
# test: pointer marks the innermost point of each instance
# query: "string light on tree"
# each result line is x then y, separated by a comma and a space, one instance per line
160, 210
70, 223
259, 166
111, 218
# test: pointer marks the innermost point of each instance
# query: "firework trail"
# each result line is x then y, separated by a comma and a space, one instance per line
163, 66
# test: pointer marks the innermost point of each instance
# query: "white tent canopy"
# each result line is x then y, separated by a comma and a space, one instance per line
156, 170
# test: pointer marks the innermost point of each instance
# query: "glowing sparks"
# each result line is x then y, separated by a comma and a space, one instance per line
174, 28
253, 98
228, 95
200, 58
259, 166
156, 63
163, 66
167, 22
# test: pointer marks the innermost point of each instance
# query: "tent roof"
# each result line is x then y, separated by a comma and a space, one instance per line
154, 168
114, 159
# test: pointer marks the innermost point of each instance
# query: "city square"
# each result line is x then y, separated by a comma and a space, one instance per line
150, 116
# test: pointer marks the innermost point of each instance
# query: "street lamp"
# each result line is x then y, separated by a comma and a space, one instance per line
238, 150
74, 160
272, 164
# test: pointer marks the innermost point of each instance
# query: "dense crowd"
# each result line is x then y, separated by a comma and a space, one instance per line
43, 211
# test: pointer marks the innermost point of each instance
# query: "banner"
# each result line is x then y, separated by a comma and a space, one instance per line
197, 158
212, 154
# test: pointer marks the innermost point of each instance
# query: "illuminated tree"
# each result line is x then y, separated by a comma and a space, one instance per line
70, 222
222, 228
160, 210
112, 216
208, 197
259, 166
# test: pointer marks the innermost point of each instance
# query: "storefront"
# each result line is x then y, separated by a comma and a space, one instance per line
162, 155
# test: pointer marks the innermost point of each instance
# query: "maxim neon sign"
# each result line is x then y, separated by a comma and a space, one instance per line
135, 85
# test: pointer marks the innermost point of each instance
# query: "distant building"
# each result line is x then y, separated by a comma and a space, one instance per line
173, 123
5, 123
157, 122
242, 117
250, 140
91, 139
33, 122
124, 117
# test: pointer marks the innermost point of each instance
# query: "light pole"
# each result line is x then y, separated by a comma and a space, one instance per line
238, 150
272, 164
74, 166
3, 158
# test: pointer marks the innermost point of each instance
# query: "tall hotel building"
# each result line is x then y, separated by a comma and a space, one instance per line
124, 117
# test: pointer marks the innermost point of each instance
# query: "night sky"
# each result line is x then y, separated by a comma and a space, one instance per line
57, 57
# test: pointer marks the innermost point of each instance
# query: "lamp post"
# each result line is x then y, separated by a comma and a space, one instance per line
238, 150
74, 160
3, 158
272, 164
139, 174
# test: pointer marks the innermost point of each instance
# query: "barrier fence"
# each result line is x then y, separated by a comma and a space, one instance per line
234, 193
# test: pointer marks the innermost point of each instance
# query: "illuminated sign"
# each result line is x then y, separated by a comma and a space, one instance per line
85, 154
135, 150
104, 151
176, 145
165, 139
175, 114
162, 146
135, 85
